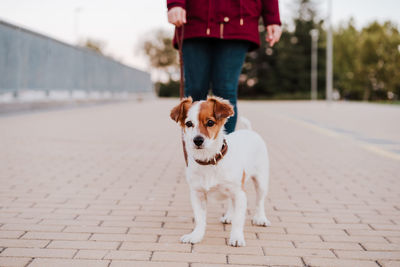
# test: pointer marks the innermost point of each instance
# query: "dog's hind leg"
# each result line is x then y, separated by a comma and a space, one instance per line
227, 217
261, 184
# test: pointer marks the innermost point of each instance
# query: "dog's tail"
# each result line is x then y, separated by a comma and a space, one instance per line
246, 122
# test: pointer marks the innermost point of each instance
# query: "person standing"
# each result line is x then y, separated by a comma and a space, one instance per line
217, 36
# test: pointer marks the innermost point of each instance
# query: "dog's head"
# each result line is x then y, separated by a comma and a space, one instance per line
202, 121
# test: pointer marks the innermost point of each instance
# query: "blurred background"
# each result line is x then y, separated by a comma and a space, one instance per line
125, 46
104, 185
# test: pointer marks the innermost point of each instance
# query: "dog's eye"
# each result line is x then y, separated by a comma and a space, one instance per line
189, 124
210, 123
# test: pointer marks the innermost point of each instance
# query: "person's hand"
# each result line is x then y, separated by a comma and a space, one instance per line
274, 33
177, 16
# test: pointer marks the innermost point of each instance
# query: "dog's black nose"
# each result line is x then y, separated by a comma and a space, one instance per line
198, 140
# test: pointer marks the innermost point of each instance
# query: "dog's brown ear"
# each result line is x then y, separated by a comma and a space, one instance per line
222, 108
178, 113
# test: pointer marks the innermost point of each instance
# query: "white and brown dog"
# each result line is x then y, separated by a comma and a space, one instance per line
220, 164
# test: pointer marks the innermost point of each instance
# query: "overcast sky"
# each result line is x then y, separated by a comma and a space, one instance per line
123, 24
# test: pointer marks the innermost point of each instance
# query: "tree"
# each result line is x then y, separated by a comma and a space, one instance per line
161, 53
94, 45
380, 60
367, 62
284, 70
347, 67
163, 56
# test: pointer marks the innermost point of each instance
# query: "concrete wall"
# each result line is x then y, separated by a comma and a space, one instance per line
31, 61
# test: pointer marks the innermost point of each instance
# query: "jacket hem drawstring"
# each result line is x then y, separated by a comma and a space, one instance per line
208, 31
241, 13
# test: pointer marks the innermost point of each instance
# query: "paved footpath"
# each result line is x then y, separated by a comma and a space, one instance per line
104, 186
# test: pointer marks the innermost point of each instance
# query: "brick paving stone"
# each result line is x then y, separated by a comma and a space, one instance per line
147, 264
14, 262
389, 263
380, 246
38, 252
336, 232
127, 255
256, 229
68, 263
101, 186
139, 225
95, 229
206, 241
156, 247
393, 227
19, 220
52, 216
69, 222
250, 250
270, 243
299, 252
19, 243
375, 233
266, 260
84, 244
330, 245
220, 265
124, 237
189, 257
394, 240
10, 234
371, 255
335, 238
341, 226
56, 236
91, 254
323, 262
289, 237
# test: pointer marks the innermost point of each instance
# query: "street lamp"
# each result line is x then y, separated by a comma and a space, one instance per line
314, 64
329, 55
77, 10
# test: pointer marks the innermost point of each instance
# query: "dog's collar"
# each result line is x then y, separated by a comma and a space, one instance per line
217, 157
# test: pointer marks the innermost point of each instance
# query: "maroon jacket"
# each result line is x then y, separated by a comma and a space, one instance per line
227, 19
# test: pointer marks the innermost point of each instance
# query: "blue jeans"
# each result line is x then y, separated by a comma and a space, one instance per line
217, 63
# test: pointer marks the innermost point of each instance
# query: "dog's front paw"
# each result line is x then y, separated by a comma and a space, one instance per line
237, 240
192, 238
226, 219
261, 221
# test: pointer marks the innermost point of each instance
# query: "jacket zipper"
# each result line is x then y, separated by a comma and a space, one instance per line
221, 30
